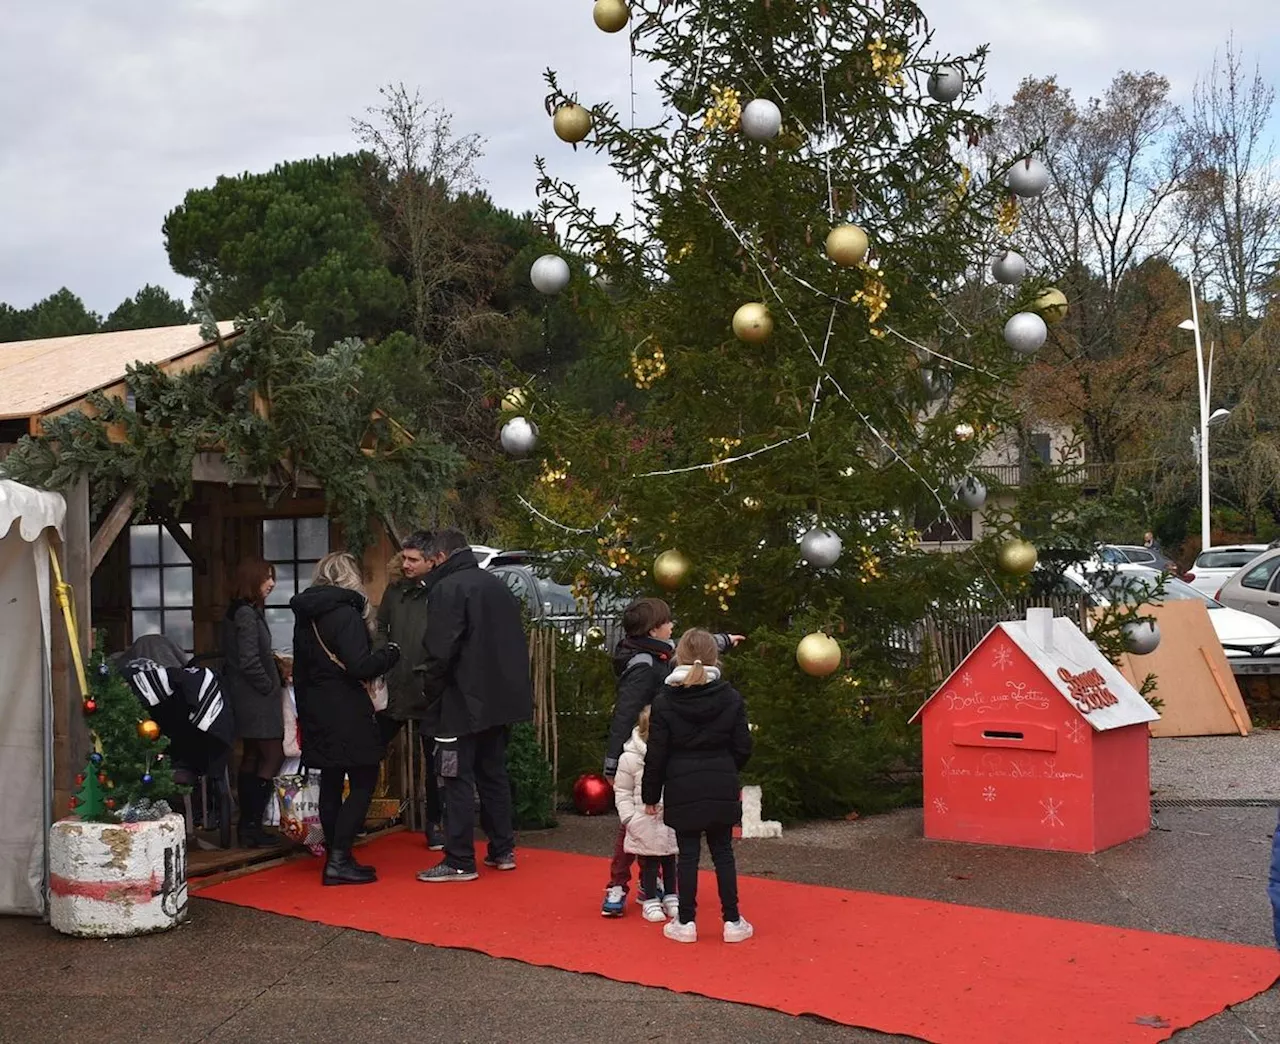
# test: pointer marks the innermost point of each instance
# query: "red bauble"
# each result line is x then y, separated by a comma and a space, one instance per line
102, 777
80, 780
593, 795
90, 706
73, 804
110, 803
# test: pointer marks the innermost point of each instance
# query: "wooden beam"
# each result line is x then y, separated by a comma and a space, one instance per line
183, 541
112, 526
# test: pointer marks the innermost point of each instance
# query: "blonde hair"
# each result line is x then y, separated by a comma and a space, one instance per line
342, 569
697, 649
642, 724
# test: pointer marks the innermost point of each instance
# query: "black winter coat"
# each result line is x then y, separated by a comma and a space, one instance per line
475, 672
250, 678
402, 619
698, 741
339, 729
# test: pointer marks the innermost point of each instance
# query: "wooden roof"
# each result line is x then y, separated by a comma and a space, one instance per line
37, 377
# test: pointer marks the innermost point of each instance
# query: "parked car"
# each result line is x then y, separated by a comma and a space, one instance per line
1139, 554
1216, 565
543, 583
1255, 588
1241, 634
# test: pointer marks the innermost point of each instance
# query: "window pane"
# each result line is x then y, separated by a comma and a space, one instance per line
177, 586
306, 571
170, 552
144, 545
146, 623
277, 539
144, 587
284, 589
313, 538
281, 623
1258, 576
180, 629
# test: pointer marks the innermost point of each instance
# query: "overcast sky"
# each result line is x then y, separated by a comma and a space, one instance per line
111, 111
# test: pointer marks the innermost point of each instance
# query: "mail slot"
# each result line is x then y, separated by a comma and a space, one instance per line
1024, 736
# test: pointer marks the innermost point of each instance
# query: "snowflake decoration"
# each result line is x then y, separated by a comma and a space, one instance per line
1076, 730
989, 794
940, 806
1051, 808
966, 680
1003, 658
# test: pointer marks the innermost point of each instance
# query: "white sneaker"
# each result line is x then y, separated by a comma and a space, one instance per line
671, 904
652, 910
681, 933
738, 931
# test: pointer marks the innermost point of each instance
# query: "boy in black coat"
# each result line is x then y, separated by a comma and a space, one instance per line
642, 661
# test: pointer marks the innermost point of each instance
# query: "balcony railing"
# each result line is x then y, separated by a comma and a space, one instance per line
1088, 476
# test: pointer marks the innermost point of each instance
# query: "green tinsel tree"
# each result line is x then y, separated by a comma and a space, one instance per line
865, 392
90, 800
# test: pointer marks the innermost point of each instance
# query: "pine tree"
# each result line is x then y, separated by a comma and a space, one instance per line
871, 395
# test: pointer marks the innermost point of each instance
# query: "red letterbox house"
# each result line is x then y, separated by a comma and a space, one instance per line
1036, 741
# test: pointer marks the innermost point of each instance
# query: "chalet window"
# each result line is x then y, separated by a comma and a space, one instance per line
293, 546
160, 586
942, 531
1040, 447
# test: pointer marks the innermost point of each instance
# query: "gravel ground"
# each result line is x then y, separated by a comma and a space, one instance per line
1217, 767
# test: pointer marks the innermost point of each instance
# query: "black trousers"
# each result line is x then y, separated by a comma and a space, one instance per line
390, 727
720, 843
467, 765
340, 819
649, 869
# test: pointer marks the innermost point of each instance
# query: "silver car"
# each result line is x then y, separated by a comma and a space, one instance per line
1256, 587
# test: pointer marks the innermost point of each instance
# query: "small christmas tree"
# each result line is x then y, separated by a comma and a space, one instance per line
129, 750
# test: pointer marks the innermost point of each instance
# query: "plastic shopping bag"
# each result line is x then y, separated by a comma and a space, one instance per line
300, 810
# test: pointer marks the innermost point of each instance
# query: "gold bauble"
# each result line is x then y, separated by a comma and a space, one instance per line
595, 636
818, 654
964, 433
847, 245
610, 15
572, 122
671, 570
751, 504
1017, 557
515, 401
1051, 305
752, 323
148, 730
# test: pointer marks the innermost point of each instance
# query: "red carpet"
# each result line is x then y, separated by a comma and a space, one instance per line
937, 971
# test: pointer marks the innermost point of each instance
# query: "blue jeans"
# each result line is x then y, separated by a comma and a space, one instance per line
1273, 885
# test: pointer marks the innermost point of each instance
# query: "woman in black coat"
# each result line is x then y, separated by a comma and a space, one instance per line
251, 682
698, 741
333, 656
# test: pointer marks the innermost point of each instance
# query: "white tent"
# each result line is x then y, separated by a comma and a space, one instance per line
26, 703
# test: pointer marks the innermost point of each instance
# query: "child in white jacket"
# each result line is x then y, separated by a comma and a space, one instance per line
647, 836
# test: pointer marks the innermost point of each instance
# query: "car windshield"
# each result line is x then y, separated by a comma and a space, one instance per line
1225, 559
1141, 587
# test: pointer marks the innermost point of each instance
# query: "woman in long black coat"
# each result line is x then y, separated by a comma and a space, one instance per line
333, 656
251, 682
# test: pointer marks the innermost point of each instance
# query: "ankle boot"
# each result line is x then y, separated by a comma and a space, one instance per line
251, 833
361, 866
247, 801
341, 869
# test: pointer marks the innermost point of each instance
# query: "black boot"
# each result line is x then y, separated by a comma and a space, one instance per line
252, 808
341, 869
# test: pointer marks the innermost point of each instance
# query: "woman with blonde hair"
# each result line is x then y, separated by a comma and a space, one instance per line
333, 658
698, 742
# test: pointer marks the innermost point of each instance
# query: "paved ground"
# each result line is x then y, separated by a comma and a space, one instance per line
241, 976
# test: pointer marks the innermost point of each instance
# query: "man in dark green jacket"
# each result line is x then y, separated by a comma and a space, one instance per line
402, 618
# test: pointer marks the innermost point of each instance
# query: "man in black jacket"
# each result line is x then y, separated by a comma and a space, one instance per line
475, 680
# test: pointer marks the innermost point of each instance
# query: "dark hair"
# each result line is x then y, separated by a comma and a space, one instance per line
643, 615
447, 541
418, 540
251, 574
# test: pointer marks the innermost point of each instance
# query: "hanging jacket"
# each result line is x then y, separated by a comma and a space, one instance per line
646, 835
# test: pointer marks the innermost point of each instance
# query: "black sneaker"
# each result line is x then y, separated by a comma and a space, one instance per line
445, 872
435, 838
506, 862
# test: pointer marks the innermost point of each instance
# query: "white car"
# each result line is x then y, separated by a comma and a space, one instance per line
1241, 634
1215, 566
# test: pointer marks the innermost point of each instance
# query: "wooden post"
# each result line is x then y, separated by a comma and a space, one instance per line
70, 733
112, 526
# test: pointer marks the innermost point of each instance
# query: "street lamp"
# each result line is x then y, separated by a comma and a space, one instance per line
1204, 378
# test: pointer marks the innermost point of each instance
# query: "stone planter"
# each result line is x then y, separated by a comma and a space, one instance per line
116, 879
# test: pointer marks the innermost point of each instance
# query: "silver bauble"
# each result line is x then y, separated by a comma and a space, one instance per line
946, 83
821, 547
1028, 178
549, 274
971, 493
1011, 269
761, 120
937, 384
519, 436
1025, 332
1142, 637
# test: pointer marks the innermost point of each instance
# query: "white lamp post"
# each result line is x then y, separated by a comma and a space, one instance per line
1204, 377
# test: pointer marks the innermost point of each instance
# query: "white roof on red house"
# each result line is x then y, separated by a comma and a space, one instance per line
1072, 664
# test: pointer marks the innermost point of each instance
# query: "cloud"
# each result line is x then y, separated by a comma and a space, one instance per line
113, 111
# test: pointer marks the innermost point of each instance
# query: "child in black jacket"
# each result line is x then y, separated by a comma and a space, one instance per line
642, 661
698, 742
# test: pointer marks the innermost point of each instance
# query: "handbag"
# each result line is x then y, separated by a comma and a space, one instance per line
299, 797
377, 689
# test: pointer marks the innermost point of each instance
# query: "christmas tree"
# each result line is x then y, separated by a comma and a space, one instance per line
128, 774
804, 305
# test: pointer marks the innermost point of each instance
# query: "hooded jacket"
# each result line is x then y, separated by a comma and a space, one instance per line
335, 713
646, 835
698, 742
